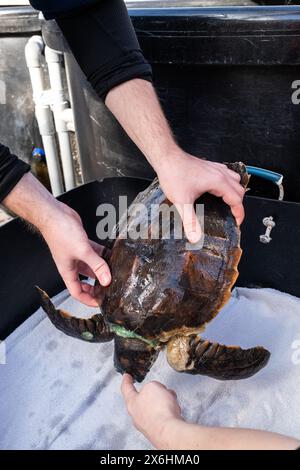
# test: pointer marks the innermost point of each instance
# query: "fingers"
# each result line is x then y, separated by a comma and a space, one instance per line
173, 393
232, 194
99, 267
101, 250
81, 292
239, 213
88, 289
128, 389
227, 171
222, 182
234, 198
85, 270
163, 387
231, 191
89, 264
158, 384
190, 222
234, 175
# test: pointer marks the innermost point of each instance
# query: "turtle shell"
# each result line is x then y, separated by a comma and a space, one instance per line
161, 287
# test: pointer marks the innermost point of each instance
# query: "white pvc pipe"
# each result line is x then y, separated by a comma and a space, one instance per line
66, 159
59, 107
33, 53
68, 118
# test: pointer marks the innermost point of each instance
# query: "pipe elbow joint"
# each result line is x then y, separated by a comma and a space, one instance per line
52, 56
33, 51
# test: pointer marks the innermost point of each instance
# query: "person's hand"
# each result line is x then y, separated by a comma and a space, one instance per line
156, 413
74, 253
185, 178
152, 408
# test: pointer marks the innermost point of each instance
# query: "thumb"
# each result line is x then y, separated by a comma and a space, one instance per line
99, 267
190, 222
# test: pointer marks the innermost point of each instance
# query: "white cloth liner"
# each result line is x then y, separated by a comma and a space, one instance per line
61, 393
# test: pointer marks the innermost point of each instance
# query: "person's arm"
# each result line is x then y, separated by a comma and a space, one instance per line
197, 437
183, 177
156, 413
62, 229
104, 43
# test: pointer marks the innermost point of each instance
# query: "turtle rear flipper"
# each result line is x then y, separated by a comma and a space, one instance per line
193, 355
93, 329
133, 356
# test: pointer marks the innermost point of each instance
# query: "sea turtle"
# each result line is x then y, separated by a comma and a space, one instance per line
163, 294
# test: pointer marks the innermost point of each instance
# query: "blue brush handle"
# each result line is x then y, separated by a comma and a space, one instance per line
266, 174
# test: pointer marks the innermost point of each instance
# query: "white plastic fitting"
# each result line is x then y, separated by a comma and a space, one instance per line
33, 54
60, 106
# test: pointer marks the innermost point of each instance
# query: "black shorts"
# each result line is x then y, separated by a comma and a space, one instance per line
105, 45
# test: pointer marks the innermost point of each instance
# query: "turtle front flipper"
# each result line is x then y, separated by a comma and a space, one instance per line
93, 329
134, 357
193, 355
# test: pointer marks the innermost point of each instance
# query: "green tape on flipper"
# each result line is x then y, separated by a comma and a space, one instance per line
87, 335
124, 333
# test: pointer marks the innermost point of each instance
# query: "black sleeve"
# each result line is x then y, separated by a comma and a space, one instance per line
11, 171
57, 8
104, 43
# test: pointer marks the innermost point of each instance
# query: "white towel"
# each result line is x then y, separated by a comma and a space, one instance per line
61, 393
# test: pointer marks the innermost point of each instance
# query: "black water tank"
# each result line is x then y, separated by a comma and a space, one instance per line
18, 128
224, 76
